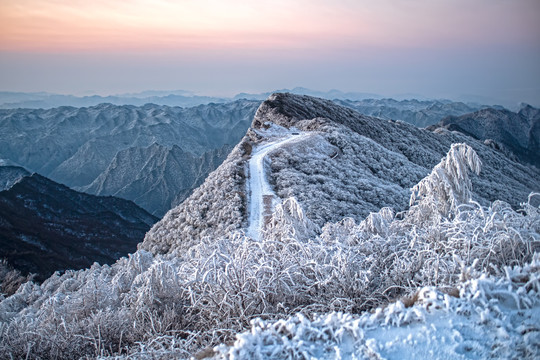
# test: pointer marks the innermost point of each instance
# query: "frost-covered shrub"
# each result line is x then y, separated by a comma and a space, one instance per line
174, 305
491, 317
289, 222
447, 186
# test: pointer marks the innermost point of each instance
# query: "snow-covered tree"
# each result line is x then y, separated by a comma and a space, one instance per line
447, 186
289, 222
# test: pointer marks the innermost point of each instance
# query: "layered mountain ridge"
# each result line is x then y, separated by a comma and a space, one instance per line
74, 146
421, 113
516, 133
170, 173
321, 258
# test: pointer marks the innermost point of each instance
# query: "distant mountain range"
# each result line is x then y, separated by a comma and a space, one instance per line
14, 100
514, 133
417, 112
45, 226
85, 148
44, 100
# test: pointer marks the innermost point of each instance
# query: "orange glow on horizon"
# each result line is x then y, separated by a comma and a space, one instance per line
142, 25
138, 25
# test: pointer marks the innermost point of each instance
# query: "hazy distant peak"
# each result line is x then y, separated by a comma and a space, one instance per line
517, 132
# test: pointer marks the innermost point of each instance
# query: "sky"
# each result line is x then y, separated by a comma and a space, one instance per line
484, 48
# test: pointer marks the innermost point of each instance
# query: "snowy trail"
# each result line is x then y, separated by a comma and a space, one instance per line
261, 194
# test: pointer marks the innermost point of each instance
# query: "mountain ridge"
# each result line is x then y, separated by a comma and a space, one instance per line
74, 146
391, 156
517, 132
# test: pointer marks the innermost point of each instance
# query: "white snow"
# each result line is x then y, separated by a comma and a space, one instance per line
174, 305
491, 318
258, 181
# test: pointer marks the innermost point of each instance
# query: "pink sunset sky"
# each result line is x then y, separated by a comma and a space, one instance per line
435, 48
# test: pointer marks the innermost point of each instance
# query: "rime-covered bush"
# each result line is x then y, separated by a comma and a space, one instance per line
175, 305
485, 317
447, 186
289, 222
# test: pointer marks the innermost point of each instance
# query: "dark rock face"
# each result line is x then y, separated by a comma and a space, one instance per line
518, 133
45, 227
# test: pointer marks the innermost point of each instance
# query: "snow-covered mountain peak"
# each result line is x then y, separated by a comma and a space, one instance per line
286, 110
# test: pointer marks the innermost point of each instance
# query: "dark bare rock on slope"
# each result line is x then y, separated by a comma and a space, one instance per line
45, 227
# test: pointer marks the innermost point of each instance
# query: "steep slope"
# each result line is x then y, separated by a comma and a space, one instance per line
516, 132
417, 112
45, 227
351, 165
139, 174
217, 207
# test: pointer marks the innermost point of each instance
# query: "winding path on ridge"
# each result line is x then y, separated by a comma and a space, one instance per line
261, 195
